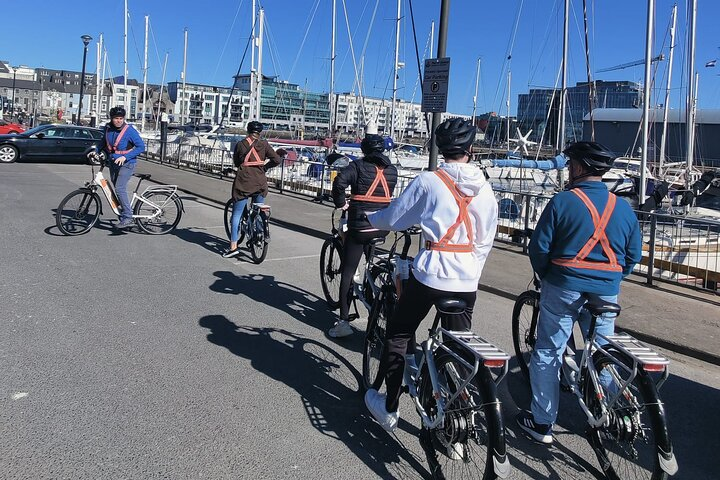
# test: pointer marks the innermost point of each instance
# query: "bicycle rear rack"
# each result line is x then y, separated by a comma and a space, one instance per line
490, 355
648, 359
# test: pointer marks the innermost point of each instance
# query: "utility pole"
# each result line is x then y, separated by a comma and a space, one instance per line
441, 52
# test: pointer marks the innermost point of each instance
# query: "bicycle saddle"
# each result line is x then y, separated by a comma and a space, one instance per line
450, 306
143, 176
377, 241
597, 306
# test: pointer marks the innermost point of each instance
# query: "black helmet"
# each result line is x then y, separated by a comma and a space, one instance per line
254, 127
455, 136
372, 144
594, 156
117, 112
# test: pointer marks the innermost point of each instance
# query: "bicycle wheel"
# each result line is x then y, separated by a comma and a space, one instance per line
463, 445
330, 264
634, 441
380, 312
258, 242
78, 212
524, 328
227, 220
166, 208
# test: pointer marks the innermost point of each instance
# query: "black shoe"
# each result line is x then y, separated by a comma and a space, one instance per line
128, 223
230, 253
541, 433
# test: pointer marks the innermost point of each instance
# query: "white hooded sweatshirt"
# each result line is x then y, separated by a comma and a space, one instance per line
428, 202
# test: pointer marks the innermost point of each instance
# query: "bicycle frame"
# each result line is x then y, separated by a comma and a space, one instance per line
109, 192
485, 354
641, 356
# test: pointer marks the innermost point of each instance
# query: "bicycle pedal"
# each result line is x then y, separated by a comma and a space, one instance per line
353, 316
405, 389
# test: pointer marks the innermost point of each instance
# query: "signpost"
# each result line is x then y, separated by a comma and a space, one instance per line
435, 85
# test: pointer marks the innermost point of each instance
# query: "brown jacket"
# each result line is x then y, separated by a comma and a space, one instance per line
250, 180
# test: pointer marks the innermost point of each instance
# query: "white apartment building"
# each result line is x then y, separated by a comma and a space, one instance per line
409, 119
207, 104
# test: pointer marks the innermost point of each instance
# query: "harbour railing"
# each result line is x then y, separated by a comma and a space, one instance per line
676, 249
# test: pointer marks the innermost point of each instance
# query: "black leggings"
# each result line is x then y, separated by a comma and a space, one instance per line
353, 248
413, 305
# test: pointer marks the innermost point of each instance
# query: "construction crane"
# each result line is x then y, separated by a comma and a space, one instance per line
659, 58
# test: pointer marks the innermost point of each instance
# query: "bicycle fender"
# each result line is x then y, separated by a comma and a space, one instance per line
496, 427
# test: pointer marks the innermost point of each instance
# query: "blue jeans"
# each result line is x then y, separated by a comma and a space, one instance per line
120, 177
238, 209
559, 310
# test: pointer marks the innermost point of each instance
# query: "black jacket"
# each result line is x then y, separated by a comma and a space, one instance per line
359, 176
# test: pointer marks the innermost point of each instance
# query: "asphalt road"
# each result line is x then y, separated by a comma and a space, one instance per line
128, 356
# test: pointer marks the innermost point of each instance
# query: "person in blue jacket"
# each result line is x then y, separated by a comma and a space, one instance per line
584, 242
123, 144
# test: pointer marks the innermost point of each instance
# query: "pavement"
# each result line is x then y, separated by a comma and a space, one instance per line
679, 319
131, 356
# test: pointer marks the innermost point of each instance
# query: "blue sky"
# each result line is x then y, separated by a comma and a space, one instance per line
218, 32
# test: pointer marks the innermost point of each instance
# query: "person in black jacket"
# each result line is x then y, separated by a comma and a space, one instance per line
371, 180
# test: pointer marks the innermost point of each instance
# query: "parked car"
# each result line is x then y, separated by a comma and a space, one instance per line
7, 128
61, 143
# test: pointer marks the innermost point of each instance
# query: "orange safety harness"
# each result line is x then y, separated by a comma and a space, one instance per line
255, 162
463, 201
599, 235
112, 148
370, 196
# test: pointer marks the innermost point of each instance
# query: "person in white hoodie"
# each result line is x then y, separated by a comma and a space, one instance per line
456, 209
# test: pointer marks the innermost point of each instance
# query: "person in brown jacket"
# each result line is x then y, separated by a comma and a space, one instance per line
252, 157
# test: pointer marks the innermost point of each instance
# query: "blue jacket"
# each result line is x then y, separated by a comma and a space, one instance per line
564, 228
130, 141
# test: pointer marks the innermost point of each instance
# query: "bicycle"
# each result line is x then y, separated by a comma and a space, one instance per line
616, 385
255, 222
157, 210
366, 287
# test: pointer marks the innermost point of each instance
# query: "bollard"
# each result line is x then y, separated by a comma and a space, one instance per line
282, 174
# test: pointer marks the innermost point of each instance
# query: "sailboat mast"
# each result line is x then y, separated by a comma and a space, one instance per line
395, 69
252, 59
145, 69
98, 88
689, 116
184, 74
258, 88
509, 81
646, 100
667, 90
332, 71
477, 84
125, 63
563, 89
162, 84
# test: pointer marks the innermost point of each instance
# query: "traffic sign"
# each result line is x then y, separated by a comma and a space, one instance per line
435, 85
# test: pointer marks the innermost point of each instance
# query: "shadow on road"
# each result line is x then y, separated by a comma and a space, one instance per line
328, 388
210, 242
294, 301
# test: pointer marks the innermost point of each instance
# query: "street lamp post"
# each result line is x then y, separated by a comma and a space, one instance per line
13, 96
86, 40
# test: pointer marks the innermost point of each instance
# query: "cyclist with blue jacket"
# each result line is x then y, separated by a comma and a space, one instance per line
123, 144
585, 242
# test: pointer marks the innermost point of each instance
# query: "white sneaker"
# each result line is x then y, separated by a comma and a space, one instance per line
375, 402
456, 451
342, 328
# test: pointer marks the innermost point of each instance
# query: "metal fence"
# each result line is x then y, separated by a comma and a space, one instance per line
676, 249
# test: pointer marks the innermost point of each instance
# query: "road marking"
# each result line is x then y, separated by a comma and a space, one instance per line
19, 395
291, 258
